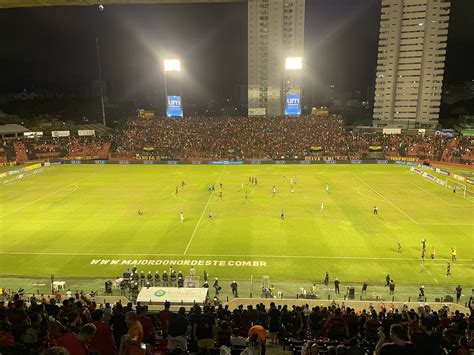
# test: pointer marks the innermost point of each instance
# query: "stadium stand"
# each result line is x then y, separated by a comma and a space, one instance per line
313, 137
34, 325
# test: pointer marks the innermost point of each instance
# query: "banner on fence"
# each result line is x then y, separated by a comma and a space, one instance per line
86, 132
60, 133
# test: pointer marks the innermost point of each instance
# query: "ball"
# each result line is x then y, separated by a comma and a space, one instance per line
101, 7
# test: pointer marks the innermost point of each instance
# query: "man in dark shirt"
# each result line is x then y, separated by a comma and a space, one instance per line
165, 316
427, 341
336, 286
178, 326
205, 330
458, 293
398, 344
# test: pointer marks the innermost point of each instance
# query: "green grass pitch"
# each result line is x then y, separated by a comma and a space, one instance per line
75, 220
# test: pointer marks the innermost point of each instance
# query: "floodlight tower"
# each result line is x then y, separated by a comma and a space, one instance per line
101, 91
172, 72
292, 86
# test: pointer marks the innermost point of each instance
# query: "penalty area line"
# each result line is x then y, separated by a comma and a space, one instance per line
386, 199
202, 214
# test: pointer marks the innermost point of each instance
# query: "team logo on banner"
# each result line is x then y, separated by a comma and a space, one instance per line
174, 108
293, 106
160, 293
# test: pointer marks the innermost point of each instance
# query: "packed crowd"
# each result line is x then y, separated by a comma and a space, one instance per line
77, 325
243, 138
275, 138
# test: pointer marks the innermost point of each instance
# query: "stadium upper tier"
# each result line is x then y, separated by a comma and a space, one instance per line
240, 138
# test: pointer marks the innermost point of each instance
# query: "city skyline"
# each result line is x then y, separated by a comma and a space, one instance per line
54, 47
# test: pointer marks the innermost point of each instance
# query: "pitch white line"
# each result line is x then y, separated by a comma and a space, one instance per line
439, 198
429, 273
362, 194
386, 199
130, 255
45, 196
202, 214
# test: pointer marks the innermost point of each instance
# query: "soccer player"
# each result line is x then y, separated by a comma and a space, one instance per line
246, 195
183, 184
181, 216
322, 206
453, 254
423, 244
220, 194
433, 253
399, 247
423, 252
448, 269
282, 214
140, 212
376, 209
210, 214
221, 185
274, 190
327, 188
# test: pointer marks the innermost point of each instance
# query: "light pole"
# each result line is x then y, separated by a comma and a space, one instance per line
172, 65
101, 9
292, 85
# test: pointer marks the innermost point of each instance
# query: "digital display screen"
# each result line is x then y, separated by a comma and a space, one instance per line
292, 106
174, 108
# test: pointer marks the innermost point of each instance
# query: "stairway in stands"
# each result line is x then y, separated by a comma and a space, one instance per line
10, 152
20, 151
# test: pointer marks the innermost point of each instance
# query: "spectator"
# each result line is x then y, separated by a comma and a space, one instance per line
149, 332
205, 329
132, 342
177, 330
117, 322
398, 345
164, 317
236, 339
103, 341
78, 344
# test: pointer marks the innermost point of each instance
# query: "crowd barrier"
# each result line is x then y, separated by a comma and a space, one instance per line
235, 162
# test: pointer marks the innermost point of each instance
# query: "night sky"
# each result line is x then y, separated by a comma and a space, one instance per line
55, 47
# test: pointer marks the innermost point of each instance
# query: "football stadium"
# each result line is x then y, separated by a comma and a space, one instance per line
282, 228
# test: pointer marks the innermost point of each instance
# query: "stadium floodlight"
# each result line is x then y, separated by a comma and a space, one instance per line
293, 63
172, 65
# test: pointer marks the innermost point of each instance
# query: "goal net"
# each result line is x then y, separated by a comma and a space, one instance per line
456, 186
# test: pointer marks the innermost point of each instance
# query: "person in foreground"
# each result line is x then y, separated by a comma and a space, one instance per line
398, 345
132, 341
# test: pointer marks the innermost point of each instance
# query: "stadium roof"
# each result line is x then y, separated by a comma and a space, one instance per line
35, 3
12, 128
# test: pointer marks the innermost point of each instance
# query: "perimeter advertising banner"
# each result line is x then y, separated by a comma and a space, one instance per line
173, 107
293, 106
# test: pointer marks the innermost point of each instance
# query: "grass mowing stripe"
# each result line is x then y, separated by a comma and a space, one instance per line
42, 198
202, 214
